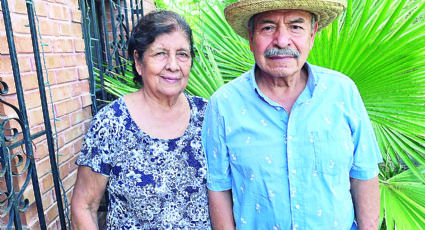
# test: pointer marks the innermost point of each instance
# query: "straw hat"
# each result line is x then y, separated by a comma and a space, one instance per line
239, 13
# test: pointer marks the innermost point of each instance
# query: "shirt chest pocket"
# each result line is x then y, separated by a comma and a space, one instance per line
333, 152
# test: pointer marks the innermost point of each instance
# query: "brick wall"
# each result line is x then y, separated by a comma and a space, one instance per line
60, 27
67, 73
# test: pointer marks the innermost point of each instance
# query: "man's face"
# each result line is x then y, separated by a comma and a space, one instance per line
281, 41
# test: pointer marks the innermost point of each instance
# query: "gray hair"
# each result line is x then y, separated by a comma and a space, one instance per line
313, 20
285, 51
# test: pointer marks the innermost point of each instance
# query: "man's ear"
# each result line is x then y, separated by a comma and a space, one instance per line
316, 25
313, 34
251, 40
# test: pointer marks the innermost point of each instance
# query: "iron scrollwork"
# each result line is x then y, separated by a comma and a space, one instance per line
13, 165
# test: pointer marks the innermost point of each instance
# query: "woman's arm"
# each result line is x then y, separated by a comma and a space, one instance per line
88, 192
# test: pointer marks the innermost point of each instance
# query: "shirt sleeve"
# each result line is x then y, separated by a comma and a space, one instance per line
95, 150
214, 144
367, 154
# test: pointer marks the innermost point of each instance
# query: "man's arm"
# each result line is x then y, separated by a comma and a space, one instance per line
221, 210
366, 200
88, 192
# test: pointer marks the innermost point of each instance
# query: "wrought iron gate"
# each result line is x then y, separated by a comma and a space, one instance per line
12, 165
106, 29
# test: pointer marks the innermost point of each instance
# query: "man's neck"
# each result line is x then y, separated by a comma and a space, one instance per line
282, 90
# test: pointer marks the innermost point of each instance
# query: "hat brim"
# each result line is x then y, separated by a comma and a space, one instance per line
238, 14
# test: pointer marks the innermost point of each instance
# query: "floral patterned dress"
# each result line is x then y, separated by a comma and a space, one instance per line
152, 183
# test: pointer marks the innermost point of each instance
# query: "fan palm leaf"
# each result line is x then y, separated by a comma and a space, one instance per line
403, 201
231, 52
377, 44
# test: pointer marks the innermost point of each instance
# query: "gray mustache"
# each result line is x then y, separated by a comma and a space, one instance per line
284, 51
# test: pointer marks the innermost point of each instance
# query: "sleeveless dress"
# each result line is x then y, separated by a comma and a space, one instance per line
152, 183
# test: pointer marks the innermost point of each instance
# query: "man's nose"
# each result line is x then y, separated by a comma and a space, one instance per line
282, 37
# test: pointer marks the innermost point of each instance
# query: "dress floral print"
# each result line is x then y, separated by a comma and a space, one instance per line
153, 183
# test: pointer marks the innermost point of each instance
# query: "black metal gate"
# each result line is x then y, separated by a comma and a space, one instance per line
106, 28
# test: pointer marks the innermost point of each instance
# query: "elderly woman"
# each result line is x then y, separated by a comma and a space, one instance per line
145, 148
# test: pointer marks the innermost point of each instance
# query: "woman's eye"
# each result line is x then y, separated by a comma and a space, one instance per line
183, 54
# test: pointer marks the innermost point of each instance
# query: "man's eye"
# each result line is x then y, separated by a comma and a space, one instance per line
267, 28
295, 27
160, 54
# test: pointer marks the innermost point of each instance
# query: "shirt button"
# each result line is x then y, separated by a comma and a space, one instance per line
297, 206
294, 171
290, 137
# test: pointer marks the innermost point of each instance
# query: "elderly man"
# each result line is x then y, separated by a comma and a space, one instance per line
289, 145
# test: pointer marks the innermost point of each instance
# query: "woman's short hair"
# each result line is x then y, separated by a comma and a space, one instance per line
150, 27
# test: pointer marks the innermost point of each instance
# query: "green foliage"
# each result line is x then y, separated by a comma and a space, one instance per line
231, 52
403, 201
117, 82
379, 47
208, 78
160, 5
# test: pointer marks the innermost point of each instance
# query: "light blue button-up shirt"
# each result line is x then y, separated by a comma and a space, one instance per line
290, 172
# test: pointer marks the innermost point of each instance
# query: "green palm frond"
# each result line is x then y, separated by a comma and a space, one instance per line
117, 81
205, 76
403, 201
231, 52
381, 46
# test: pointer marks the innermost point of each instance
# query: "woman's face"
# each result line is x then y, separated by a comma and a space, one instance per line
166, 64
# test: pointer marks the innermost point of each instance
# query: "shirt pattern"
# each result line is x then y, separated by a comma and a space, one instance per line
290, 172
153, 183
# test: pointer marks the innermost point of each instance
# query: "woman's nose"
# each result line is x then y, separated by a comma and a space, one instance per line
172, 63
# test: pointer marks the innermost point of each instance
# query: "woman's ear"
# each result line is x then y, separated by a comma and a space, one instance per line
137, 63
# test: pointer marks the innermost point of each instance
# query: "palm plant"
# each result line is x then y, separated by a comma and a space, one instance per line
379, 44
117, 81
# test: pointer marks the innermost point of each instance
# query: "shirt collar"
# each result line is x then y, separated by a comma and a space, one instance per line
257, 89
312, 78
305, 95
